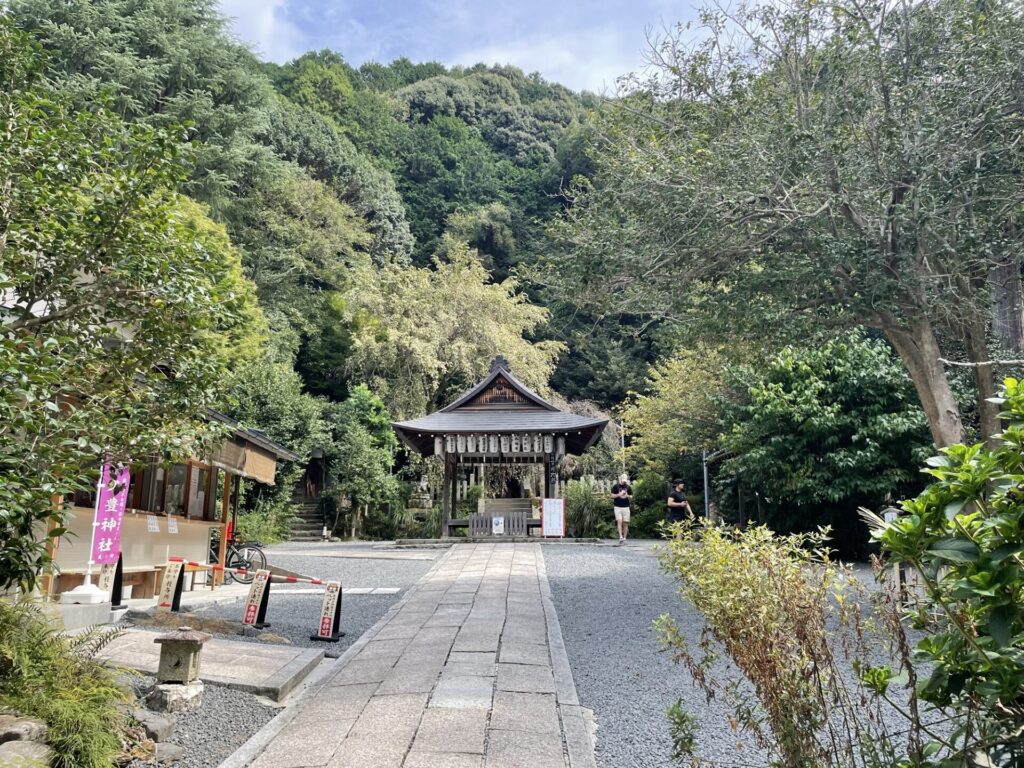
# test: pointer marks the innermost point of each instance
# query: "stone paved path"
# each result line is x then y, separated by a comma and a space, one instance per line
470, 671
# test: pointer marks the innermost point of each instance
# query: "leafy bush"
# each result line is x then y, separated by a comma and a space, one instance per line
962, 537
585, 505
268, 523
57, 679
823, 431
790, 619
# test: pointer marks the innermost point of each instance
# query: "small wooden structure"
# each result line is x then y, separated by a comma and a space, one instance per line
500, 421
172, 510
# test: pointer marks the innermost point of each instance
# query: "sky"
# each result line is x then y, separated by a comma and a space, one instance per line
582, 44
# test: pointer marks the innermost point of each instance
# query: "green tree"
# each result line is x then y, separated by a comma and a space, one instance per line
676, 412
121, 306
488, 229
301, 245
811, 165
361, 460
422, 335
315, 143
268, 395
164, 63
821, 432
445, 166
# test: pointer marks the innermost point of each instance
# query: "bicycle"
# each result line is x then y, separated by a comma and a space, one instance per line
248, 556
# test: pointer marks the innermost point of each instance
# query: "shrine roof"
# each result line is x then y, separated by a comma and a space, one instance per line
500, 403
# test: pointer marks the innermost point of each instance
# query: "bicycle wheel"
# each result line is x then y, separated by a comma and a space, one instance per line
251, 558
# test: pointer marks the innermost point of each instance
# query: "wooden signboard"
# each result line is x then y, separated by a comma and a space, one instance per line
170, 586
255, 614
111, 580
552, 518
329, 628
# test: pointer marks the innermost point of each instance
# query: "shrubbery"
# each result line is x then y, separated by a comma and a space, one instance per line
791, 621
587, 509
57, 679
963, 538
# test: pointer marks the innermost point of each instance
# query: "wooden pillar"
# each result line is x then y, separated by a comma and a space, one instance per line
222, 549
446, 497
455, 486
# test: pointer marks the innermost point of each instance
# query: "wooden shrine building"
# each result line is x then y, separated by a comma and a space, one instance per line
498, 422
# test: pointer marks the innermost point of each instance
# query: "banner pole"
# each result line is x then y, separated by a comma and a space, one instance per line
95, 522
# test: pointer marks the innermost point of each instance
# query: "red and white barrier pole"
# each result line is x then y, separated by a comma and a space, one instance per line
255, 612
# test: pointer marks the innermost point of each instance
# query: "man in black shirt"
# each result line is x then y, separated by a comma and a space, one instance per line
678, 506
622, 492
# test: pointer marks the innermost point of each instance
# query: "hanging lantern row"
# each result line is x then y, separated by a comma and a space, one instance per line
495, 444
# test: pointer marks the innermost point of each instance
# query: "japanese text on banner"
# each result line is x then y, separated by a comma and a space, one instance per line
111, 500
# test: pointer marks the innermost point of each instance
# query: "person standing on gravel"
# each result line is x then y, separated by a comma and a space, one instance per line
678, 507
622, 492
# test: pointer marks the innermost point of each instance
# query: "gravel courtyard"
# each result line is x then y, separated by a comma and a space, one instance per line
606, 598
293, 608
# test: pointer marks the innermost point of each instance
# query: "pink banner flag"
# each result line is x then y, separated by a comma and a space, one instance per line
111, 500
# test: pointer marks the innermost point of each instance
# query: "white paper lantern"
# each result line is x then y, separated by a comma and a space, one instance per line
538, 444
492, 444
471, 444
438, 446
549, 444
560, 452
449, 443
505, 443
515, 443
460, 441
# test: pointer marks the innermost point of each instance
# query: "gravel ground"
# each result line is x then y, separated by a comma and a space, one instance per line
226, 719
367, 564
606, 599
294, 616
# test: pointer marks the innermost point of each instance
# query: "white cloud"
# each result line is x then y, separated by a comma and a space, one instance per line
588, 59
262, 25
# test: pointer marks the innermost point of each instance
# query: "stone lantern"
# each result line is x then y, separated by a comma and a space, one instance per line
178, 685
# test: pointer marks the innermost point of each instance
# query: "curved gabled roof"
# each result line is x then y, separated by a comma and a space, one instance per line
500, 404
499, 370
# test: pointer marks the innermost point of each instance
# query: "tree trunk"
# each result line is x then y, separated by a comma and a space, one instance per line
984, 380
1007, 307
919, 351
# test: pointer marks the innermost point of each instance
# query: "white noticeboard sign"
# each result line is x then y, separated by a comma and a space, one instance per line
552, 518
498, 526
172, 525
152, 524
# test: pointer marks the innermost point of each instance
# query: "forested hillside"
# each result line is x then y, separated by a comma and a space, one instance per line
382, 213
401, 223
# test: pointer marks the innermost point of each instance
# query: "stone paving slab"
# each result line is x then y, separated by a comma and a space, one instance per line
271, 671
468, 671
